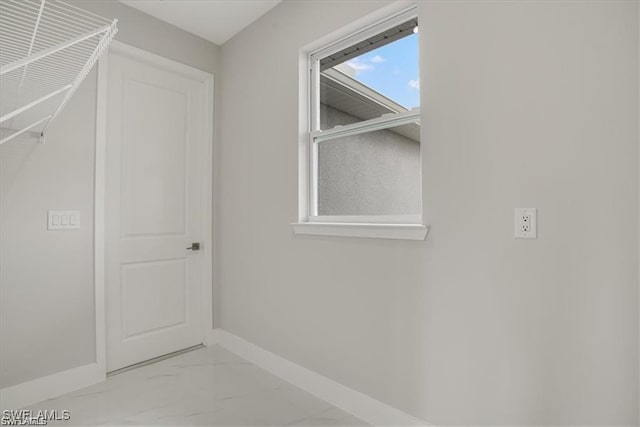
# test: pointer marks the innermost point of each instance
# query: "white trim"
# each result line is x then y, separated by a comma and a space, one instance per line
153, 59
304, 142
30, 392
314, 125
313, 177
376, 231
207, 213
213, 337
386, 121
366, 408
99, 212
206, 308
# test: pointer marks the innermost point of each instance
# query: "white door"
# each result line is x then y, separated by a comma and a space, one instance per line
155, 208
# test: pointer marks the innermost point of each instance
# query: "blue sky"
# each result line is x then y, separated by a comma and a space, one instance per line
392, 70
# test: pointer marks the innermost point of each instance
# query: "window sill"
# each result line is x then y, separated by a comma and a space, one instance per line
375, 231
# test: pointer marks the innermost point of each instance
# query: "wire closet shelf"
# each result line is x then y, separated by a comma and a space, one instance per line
47, 48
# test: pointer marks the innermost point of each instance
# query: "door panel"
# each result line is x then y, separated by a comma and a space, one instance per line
154, 160
155, 140
138, 281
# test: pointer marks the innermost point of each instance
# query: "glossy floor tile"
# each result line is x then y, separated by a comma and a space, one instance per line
209, 386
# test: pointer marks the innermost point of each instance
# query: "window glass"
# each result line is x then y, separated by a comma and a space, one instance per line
372, 173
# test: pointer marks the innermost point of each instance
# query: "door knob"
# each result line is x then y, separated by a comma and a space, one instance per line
194, 247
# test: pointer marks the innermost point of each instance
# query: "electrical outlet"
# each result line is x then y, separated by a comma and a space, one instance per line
525, 223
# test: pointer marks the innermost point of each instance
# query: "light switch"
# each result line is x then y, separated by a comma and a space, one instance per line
63, 220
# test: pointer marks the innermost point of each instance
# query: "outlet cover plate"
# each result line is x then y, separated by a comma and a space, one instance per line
525, 223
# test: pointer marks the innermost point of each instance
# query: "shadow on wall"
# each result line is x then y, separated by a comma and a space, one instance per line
14, 156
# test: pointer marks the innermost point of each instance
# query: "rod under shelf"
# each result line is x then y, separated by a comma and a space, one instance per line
23, 130
34, 103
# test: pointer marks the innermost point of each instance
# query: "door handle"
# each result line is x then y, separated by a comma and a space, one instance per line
194, 247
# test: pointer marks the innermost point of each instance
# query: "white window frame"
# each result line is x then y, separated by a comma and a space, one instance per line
381, 226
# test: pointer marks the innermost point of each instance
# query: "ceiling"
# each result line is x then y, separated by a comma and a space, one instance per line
213, 20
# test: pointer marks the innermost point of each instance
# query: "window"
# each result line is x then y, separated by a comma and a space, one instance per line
362, 139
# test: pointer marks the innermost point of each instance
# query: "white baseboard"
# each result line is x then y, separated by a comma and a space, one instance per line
30, 392
355, 403
211, 338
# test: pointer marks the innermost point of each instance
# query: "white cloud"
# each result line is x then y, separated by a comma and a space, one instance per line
415, 84
376, 59
358, 66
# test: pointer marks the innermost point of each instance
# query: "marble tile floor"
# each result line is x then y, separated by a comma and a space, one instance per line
208, 386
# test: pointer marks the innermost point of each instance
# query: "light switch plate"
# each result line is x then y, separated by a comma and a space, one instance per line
525, 223
63, 220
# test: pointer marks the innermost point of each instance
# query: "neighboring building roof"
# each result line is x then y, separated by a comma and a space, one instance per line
344, 93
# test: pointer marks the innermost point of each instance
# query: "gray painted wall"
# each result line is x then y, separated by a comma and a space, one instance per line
470, 326
46, 277
376, 173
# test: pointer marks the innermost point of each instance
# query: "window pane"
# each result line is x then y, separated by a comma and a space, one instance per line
374, 173
375, 77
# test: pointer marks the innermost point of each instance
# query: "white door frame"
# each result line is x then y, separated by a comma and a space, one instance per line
100, 192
